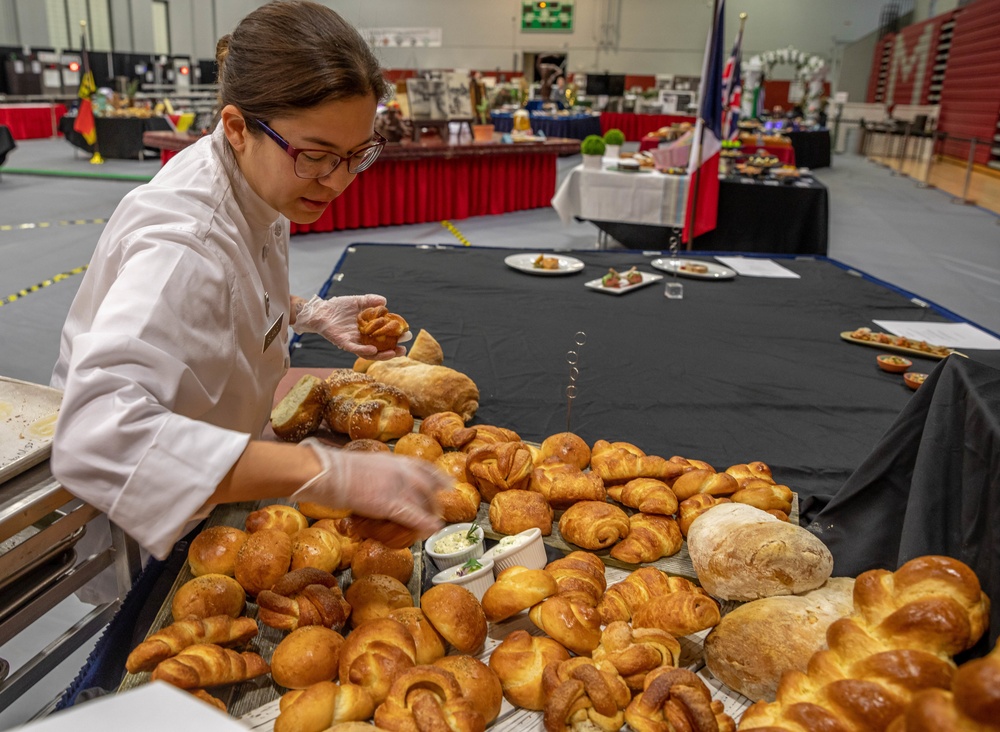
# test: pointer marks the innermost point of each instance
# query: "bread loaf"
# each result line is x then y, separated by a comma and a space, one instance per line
322, 706
300, 411
375, 596
649, 496
420, 446
380, 328
635, 652
650, 536
221, 630
579, 576
593, 524
677, 694
479, 684
582, 694
577, 626
899, 640
208, 595
316, 547
214, 550
428, 698
374, 557
566, 447
620, 462
374, 654
361, 407
514, 511
263, 560
307, 656
457, 615
429, 644
306, 596
742, 553
563, 484
501, 467
448, 428
519, 662
429, 388
204, 665
517, 589
755, 643
278, 517
460, 503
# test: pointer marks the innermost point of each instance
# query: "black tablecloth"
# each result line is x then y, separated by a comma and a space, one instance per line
748, 369
812, 149
118, 138
575, 127
6, 143
753, 216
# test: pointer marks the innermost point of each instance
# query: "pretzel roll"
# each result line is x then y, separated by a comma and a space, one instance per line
428, 698
307, 656
279, 517
460, 503
448, 429
306, 596
453, 464
765, 496
375, 596
575, 625
704, 481
563, 484
479, 683
214, 550
429, 643
374, 557
693, 507
316, 547
374, 654
208, 595
324, 706
579, 576
263, 560
380, 328
514, 511
366, 444
519, 662
419, 445
517, 589
457, 615
650, 536
593, 524
501, 467
750, 471
567, 448
635, 652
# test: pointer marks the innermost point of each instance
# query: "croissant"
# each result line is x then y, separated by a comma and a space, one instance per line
649, 496
512, 512
317, 548
704, 481
579, 576
693, 507
905, 627
459, 504
765, 496
488, 434
428, 698
680, 614
361, 407
302, 597
375, 654
220, 630
519, 662
563, 484
204, 665
620, 462
635, 652
582, 694
624, 598
517, 589
565, 447
650, 536
676, 699
322, 705
500, 467
750, 471
688, 465
208, 699
380, 328
574, 625
971, 705
593, 524
280, 517
449, 429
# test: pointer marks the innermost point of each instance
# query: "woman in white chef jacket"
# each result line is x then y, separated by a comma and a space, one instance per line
177, 339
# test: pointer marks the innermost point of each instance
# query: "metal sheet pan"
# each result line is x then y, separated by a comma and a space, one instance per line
21, 562
20, 593
27, 423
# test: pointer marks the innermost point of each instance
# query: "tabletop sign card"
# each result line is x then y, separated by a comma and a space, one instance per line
953, 335
749, 267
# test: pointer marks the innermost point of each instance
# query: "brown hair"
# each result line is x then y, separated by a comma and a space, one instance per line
287, 56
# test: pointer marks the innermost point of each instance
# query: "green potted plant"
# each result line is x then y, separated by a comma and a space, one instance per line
592, 148
483, 132
613, 139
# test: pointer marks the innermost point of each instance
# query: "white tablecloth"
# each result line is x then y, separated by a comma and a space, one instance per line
636, 198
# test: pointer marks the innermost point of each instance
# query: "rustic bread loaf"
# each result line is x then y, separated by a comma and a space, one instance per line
430, 388
300, 412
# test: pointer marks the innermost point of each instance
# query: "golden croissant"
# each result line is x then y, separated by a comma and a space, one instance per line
203, 665
220, 630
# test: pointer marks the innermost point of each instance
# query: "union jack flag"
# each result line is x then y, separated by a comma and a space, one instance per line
732, 90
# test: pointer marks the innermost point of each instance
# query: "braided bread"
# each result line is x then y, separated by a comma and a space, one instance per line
688, 465
594, 524
750, 471
650, 536
575, 625
624, 598
582, 694
519, 662
220, 630
375, 654
579, 576
380, 328
321, 705
905, 627
676, 699
500, 467
649, 496
563, 484
704, 481
306, 596
449, 429
361, 407
204, 665
620, 462
428, 698
634, 652
517, 589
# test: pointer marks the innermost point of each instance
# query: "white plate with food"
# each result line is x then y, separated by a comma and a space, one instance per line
618, 283
693, 268
537, 263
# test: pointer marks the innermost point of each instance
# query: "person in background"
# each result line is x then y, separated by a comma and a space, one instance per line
177, 339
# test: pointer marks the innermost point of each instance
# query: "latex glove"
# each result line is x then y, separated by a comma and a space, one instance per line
336, 320
377, 485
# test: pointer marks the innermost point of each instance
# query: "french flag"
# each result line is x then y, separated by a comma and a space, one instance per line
703, 165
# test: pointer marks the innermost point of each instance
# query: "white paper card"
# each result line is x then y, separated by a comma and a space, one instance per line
749, 267
953, 335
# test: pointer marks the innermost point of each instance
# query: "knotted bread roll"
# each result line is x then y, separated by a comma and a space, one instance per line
519, 662
579, 576
582, 694
635, 652
480, 684
676, 694
501, 467
374, 654
429, 644
575, 625
428, 698
279, 517
323, 705
563, 484
375, 596
380, 328
457, 615
306, 596
449, 429
361, 407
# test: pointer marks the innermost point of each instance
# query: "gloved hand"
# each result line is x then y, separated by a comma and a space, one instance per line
336, 320
377, 485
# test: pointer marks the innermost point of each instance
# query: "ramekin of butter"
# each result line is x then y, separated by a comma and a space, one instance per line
475, 575
454, 544
523, 550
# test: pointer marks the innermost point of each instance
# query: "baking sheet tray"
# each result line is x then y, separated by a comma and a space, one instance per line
18, 594
11, 573
27, 423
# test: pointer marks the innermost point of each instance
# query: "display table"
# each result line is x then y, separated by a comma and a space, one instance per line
32, 121
118, 138
637, 126
576, 126
784, 153
812, 149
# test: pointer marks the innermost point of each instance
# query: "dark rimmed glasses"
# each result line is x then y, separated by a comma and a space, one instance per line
320, 163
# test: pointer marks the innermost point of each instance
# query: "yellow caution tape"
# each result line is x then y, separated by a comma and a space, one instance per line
456, 233
35, 288
47, 224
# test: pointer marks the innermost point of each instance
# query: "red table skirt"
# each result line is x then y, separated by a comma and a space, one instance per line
396, 192
32, 121
637, 126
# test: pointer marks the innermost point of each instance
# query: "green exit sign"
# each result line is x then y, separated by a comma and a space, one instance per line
547, 16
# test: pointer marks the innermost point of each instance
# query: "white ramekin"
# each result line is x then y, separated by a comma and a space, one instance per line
443, 561
476, 582
530, 554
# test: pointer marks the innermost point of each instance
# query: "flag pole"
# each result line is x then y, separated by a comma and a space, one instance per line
96, 158
693, 207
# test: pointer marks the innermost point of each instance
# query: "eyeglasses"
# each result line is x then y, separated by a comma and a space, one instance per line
320, 163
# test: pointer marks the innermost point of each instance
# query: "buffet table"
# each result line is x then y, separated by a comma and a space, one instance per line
31, 121
637, 126
118, 138
812, 148
576, 126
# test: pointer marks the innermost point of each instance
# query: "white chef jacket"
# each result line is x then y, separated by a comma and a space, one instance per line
174, 346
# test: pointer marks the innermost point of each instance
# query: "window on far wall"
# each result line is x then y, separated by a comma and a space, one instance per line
161, 28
